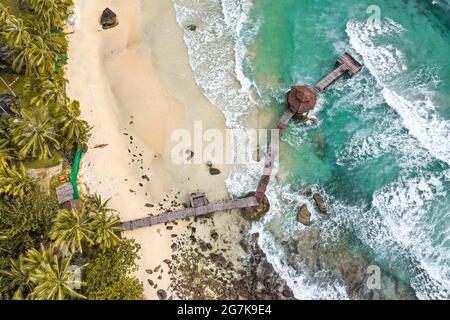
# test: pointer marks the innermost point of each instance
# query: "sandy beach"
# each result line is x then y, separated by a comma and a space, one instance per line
135, 88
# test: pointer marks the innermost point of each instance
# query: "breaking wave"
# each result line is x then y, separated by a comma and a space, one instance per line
410, 98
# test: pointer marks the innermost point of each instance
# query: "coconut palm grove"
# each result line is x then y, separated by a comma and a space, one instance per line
43, 248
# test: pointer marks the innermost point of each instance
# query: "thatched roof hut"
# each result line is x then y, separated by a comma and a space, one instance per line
301, 99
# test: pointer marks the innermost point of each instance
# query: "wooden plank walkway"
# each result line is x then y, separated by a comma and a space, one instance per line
190, 212
331, 77
347, 64
271, 154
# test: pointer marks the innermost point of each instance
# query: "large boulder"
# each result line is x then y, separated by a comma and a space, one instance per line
7, 101
255, 213
108, 19
304, 216
320, 203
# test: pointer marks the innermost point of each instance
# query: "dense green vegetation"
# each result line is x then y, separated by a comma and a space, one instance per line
43, 249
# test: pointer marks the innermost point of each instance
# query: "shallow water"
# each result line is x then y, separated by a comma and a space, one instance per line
380, 153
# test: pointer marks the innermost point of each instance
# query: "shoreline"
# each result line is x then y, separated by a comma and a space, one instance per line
126, 80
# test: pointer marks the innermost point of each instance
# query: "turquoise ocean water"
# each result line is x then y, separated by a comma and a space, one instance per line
380, 152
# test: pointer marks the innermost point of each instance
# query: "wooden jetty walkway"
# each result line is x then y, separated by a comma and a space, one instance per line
191, 212
300, 100
346, 64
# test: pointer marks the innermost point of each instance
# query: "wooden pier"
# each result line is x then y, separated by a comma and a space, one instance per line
346, 64
190, 212
300, 99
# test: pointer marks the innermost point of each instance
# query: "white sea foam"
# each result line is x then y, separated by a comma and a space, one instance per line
406, 218
406, 228
386, 136
414, 104
409, 209
215, 53
302, 285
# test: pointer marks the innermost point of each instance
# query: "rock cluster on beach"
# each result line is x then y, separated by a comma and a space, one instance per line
216, 265
206, 273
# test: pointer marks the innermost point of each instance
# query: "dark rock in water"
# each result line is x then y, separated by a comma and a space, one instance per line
162, 294
7, 101
318, 199
303, 215
287, 292
191, 27
150, 282
149, 205
209, 164
307, 192
108, 19
214, 171
303, 118
255, 213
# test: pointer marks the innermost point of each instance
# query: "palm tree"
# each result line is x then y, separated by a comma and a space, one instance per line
71, 229
33, 134
16, 34
36, 58
95, 203
34, 258
55, 40
18, 276
5, 157
15, 182
54, 280
51, 11
106, 229
4, 15
71, 127
47, 90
